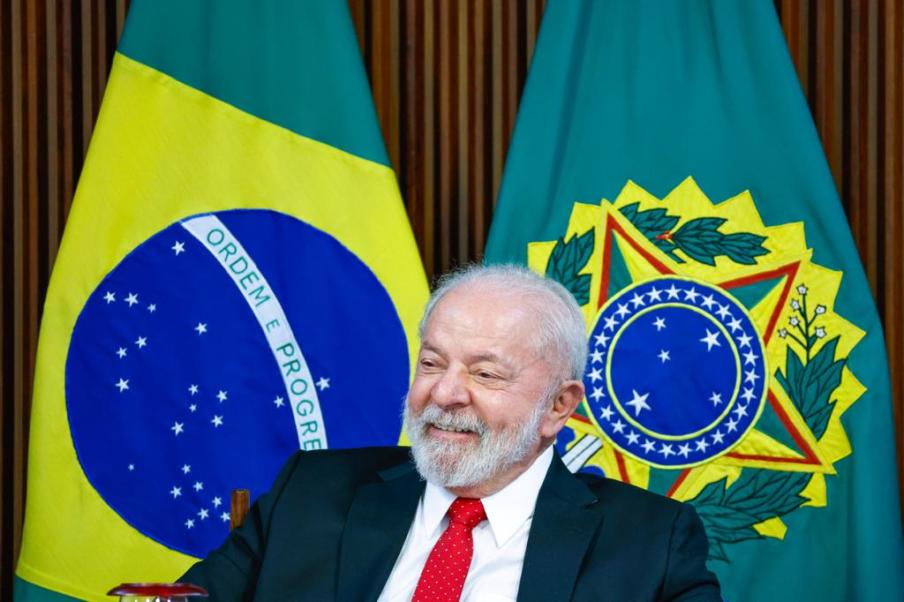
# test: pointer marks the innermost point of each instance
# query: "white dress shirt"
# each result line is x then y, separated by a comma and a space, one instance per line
499, 542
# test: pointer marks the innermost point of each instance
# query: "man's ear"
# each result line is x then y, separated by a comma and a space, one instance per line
570, 394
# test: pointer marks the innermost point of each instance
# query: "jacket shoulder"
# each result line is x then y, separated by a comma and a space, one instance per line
342, 464
616, 493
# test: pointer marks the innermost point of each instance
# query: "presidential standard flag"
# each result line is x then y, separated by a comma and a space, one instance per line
665, 168
237, 280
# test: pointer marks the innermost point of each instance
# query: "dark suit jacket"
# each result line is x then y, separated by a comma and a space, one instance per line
335, 521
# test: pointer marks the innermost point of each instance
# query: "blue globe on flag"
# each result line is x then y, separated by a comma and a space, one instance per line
213, 351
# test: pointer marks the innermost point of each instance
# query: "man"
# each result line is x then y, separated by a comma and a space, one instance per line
485, 511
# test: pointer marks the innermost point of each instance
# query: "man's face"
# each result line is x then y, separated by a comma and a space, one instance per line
481, 397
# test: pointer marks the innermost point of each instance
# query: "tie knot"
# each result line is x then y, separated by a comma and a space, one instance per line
467, 511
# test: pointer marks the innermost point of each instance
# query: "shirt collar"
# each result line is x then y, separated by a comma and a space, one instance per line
507, 509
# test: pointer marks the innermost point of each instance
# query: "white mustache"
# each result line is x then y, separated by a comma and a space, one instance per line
447, 420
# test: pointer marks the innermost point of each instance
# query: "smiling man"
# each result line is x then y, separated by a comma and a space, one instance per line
485, 511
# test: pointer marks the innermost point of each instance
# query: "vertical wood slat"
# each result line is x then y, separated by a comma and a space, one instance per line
7, 376
11, 426
891, 129
446, 78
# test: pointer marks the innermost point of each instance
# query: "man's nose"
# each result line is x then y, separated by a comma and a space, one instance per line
451, 389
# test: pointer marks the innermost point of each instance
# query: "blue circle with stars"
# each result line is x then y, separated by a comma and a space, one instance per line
175, 396
676, 374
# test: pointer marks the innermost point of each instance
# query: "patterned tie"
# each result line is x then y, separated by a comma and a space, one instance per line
444, 575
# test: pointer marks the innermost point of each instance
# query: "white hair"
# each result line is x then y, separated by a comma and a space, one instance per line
560, 328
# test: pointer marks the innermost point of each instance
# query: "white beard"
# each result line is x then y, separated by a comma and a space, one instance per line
452, 464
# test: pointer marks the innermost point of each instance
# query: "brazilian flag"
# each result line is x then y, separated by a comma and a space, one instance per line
237, 280
665, 168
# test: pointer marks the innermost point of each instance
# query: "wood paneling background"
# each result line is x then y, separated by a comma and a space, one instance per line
446, 76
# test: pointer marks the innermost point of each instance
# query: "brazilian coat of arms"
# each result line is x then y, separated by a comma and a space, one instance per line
717, 370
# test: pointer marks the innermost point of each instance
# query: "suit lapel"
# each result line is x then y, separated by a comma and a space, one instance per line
377, 524
565, 520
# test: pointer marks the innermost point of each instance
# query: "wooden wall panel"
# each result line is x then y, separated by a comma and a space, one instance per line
446, 84
446, 77
54, 60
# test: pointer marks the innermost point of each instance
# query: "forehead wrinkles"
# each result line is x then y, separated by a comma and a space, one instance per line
477, 329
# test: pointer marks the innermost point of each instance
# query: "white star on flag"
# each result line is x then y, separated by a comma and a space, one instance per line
716, 398
691, 295
179, 247
609, 323
141, 342
664, 356
186, 469
638, 402
633, 438
672, 292
110, 297
666, 450
648, 446
122, 385
606, 413
193, 389
175, 491
740, 410
596, 357
718, 437
201, 328
654, 294
595, 375
278, 401
177, 428
190, 523
684, 450
216, 421
722, 312
750, 376
622, 310
198, 486
132, 299
216, 502
711, 339
637, 301
192, 408
597, 393
708, 301
744, 340
152, 307
222, 396
131, 467
659, 323
618, 426
121, 352
750, 358
202, 513
323, 383
701, 445
732, 425
735, 324
224, 517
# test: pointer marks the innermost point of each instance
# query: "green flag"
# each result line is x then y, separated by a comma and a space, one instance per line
236, 231
665, 168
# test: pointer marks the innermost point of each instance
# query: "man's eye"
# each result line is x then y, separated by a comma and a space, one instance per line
485, 375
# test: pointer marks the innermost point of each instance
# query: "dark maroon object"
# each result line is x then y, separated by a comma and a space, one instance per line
158, 590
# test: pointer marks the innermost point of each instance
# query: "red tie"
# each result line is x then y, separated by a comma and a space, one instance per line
447, 566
